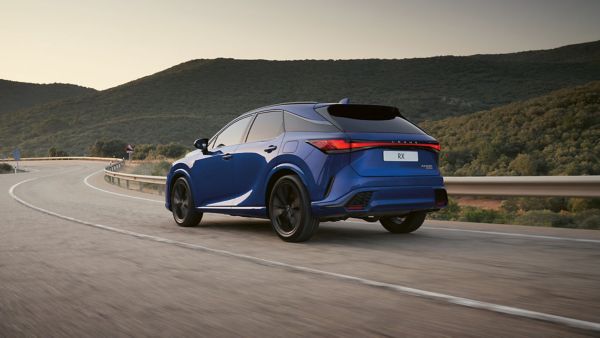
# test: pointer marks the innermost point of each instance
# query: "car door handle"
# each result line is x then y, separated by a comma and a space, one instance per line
226, 156
270, 148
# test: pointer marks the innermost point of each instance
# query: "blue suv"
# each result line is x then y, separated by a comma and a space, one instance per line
299, 164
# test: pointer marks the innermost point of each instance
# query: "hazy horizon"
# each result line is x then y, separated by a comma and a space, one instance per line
105, 44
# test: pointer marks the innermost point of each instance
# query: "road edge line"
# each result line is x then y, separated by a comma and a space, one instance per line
510, 234
85, 180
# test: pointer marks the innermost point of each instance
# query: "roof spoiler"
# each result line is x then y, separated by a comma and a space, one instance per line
359, 110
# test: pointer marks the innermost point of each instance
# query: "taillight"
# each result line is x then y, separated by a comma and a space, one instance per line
341, 145
331, 146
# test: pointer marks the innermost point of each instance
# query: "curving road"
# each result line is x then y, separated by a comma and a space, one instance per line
79, 257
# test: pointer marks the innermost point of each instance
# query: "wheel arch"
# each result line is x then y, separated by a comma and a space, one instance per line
175, 175
278, 172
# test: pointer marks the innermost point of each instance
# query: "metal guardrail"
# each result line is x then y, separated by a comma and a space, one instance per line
542, 186
548, 186
137, 178
115, 166
111, 175
545, 186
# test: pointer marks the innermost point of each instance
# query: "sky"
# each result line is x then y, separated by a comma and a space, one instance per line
105, 43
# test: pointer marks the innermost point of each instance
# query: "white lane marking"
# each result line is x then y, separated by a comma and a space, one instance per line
584, 240
511, 234
85, 180
576, 323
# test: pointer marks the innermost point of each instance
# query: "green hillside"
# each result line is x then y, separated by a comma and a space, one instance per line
195, 98
555, 134
15, 96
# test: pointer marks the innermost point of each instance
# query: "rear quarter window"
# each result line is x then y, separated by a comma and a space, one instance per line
294, 122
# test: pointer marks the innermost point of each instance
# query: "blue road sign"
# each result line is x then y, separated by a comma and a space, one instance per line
17, 154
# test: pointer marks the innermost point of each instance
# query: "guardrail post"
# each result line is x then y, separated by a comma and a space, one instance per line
141, 186
127, 184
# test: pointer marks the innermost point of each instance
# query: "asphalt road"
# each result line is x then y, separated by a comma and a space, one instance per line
78, 260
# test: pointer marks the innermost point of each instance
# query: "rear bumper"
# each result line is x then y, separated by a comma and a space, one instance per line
381, 196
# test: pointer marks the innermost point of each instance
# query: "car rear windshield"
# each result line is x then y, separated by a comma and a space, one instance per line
371, 119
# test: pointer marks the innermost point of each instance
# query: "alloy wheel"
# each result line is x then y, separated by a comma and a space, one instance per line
181, 204
287, 207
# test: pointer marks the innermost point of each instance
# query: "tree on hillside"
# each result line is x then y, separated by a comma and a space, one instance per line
526, 165
555, 134
171, 150
112, 148
53, 152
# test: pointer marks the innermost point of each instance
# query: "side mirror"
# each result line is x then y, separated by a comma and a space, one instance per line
202, 144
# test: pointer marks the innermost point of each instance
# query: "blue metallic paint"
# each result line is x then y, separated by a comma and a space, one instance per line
238, 186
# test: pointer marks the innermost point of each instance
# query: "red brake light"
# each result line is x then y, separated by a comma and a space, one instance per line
331, 145
340, 145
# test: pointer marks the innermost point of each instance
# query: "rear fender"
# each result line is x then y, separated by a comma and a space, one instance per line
303, 174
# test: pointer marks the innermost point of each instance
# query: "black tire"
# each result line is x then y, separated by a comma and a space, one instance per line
289, 210
182, 204
404, 224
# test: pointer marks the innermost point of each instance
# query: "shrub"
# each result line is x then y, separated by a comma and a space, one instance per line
161, 168
160, 151
471, 214
581, 204
53, 152
588, 219
153, 168
112, 148
6, 168
545, 218
510, 206
451, 212
171, 150
143, 151
592, 222
585, 219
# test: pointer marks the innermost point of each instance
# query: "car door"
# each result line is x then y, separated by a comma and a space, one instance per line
213, 174
253, 158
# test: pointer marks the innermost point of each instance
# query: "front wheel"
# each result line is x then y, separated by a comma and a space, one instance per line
182, 204
289, 210
403, 224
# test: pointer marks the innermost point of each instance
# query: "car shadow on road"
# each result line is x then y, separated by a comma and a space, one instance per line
328, 232
365, 235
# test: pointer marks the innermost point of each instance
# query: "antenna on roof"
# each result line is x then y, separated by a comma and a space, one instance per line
344, 101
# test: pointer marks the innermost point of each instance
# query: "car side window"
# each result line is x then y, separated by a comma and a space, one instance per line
233, 134
294, 122
266, 126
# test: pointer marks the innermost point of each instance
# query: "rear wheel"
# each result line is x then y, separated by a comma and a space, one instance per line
403, 224
289, 210
182, 204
